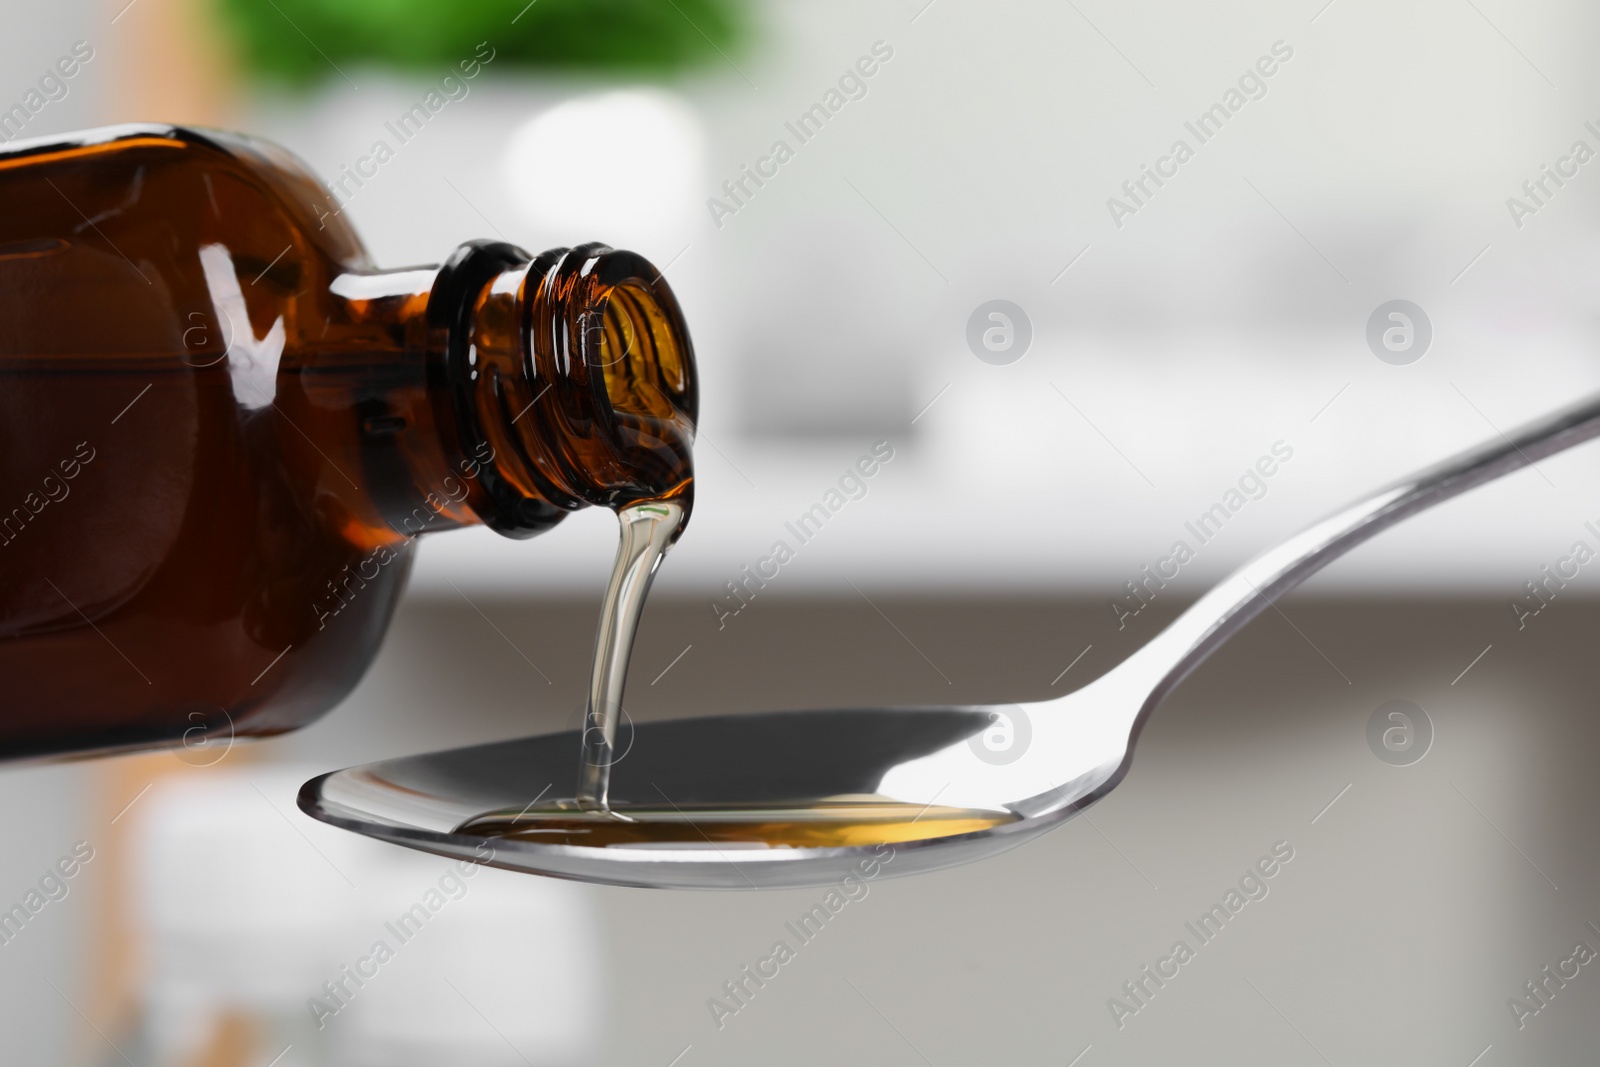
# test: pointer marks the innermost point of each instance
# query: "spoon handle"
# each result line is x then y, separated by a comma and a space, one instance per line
1233, 602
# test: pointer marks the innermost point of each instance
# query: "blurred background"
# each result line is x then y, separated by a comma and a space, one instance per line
1160, 336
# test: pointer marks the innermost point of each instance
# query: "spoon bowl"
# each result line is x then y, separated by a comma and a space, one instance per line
902, 777
790, 799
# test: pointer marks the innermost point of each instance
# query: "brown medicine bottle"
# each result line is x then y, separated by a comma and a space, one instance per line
221, 429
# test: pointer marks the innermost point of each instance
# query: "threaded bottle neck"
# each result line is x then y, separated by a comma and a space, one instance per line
565, 380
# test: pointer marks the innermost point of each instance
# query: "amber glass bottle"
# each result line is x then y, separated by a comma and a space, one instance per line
221, 429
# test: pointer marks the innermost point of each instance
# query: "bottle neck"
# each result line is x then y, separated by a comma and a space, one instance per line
530, 387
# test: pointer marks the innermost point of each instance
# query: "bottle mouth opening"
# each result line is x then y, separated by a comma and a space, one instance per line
639, 364
638, 354
605, 331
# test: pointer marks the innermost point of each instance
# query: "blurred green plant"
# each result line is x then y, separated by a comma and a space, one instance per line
299, 40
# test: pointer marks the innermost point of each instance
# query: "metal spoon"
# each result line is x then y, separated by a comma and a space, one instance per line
1081, 744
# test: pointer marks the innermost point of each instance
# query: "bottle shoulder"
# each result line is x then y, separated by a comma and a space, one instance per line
173, 164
